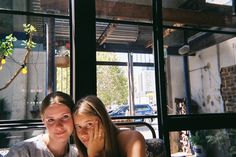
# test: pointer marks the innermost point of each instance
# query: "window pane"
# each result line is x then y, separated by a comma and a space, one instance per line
9, 138
124, 10
217, 142
204, 68
21, 94
221, 2
57, 7
112, 85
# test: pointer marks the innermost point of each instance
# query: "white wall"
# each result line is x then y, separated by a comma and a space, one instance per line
205, 82
175, 81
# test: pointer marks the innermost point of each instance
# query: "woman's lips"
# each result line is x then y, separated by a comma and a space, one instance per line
60, 133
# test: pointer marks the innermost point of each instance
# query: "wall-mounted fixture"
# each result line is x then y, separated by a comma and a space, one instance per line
185, 49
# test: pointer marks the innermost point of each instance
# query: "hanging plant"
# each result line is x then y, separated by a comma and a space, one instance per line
62, 60
7, 49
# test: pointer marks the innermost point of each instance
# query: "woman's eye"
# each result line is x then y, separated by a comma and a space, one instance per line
65, 117
78, 128
89, 125
50, 121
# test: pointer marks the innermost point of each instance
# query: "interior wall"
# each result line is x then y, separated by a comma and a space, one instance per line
205, 75
175, 81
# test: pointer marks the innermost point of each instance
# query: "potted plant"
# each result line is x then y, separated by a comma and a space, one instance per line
224, 140
62, 58
199, 142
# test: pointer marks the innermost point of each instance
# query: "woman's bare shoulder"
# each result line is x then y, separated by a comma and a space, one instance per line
130, 134
132, 143
127, 137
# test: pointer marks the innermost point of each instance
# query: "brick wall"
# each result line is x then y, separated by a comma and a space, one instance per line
228, 87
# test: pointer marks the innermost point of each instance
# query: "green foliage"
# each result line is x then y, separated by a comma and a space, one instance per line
199, 138
224, 139
219, 137
29, 29
112, 84
6, 46
232, 136
6, 49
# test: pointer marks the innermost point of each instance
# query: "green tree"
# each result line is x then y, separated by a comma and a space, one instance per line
112, 83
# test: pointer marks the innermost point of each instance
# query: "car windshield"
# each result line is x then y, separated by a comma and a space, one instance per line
138, 108
119, 109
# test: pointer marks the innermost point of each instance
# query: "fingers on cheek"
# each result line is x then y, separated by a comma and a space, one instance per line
91, 133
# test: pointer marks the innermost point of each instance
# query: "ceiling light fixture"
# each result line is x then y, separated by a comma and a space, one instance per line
184, 49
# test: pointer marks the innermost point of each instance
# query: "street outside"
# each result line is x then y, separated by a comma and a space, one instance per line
147, 132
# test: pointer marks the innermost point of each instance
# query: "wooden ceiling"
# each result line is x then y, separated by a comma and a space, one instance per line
187, 16
115, 9
194, 13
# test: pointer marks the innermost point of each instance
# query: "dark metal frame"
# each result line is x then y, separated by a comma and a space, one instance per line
85, 69
23, 125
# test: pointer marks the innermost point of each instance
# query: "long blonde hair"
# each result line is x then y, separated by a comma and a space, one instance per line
92, 105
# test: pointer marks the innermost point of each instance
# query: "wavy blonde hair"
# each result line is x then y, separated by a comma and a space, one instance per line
92, 105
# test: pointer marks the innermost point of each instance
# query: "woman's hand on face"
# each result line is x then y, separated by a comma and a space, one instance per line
96, 140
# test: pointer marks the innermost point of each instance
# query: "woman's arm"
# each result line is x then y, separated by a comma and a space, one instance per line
132, 144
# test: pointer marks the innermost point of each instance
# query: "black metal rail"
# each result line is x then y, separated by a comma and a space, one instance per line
22, 125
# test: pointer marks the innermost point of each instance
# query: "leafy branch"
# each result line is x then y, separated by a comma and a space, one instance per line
7, 48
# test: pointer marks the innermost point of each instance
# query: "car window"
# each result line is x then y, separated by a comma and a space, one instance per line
142, 108
120, 109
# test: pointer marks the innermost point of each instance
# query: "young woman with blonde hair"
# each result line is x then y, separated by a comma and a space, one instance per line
97, 136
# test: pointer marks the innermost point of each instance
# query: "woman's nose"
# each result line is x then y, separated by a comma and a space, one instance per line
58, 123
83, 131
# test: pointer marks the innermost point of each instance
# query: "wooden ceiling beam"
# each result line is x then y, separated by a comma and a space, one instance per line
108, 30
122, 10
134, 12
143, 12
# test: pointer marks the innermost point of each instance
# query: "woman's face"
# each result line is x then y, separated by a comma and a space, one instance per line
84, 124
58, 121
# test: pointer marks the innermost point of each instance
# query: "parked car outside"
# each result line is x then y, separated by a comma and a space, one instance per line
154, 107
140, 110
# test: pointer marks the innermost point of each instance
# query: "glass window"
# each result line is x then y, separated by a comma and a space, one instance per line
200, 66
124, 10
221, 2
215, 142
29, 75
57, 7
11, 137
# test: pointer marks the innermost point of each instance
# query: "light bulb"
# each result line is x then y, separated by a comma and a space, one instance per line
3, 61
24, 70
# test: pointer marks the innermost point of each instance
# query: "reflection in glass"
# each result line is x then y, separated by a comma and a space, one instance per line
57, 7
112, 81
9, 138
217, 142
23, 96
140, 11
199, 65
